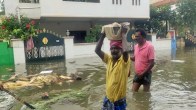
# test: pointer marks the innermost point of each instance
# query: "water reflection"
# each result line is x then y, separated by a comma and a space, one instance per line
57, 66
173, 48
6, 71
173, 53
140, 101
174, 87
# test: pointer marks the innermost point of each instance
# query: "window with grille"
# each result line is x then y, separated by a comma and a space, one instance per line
93, 1
136, 2
28, 1
117, 2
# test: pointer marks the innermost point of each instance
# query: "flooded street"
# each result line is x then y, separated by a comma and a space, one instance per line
173, 84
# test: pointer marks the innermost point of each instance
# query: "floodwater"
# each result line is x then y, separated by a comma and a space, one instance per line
173, 83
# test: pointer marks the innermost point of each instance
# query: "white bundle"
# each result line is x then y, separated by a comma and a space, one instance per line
114, 31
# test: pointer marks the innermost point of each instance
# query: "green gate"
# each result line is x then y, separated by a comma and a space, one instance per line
6, 54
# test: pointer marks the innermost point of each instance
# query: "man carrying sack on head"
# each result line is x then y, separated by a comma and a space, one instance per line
118, 67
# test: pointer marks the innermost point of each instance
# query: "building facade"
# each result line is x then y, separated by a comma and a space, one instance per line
78, 16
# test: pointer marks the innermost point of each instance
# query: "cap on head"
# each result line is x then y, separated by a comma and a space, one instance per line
117, 43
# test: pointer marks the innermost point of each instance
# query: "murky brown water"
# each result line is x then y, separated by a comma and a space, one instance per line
173, 83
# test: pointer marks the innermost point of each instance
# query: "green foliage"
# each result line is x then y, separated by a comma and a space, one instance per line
181, 19
186, 13
71, 96
157, 22
11, 28
94, 34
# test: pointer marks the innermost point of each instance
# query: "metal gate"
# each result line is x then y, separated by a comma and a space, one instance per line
44, 46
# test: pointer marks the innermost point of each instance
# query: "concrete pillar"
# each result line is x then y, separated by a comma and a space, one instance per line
19, 53
69, 55
154, 39
19, 56
69, 47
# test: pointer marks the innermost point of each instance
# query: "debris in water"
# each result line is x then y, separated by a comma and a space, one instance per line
46, 72
178, 61
158, 71
45, 96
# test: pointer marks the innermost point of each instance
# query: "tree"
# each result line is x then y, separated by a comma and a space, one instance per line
186, 13
94, 34
181, 19
159, 17
10, 27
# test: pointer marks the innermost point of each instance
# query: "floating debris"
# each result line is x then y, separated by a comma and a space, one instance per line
39, 80
158, 71
46, 72
178, 61
45, 96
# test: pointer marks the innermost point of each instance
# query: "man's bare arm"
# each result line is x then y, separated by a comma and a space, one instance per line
132, 58
125, 46
98, 50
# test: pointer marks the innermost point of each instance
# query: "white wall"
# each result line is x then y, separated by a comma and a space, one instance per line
18, 49
10, 6
162, 44
81, 50
69, 53
60, 8
104, 9
87, 49
30, 10
84, 50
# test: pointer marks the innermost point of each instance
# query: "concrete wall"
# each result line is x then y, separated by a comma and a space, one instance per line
161, 44
69, 53
19, 53
82, 50
30, 10
87, 49
60, 8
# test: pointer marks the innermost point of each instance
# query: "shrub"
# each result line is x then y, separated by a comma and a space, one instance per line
11, 28
94, 34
